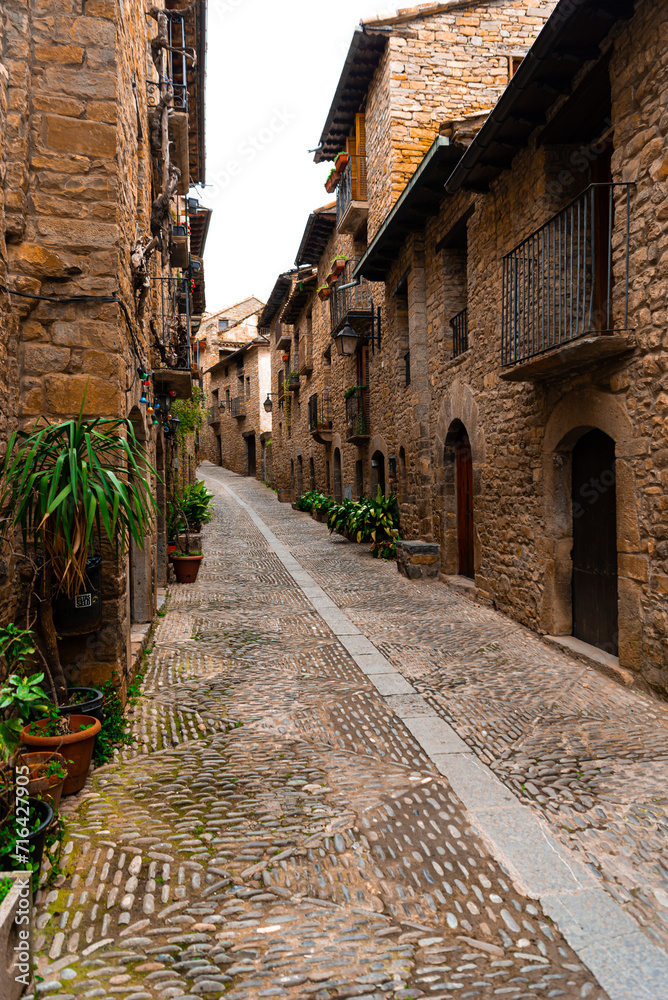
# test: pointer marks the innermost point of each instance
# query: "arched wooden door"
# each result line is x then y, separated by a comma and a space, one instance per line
464, 473
595, 602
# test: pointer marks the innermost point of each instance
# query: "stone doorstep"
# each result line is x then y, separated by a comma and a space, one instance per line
139, 636
462, 583
593, 657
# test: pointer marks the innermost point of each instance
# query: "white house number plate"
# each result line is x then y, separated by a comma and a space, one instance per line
83, 601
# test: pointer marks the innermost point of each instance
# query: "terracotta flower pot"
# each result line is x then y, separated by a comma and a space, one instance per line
332, 279
339, 265
286, 357
332, 182
186, 568
341, 162
41, 787
76, 746
324, 293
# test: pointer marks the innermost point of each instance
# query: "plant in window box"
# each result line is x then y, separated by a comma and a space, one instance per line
341, 162
332, 181
339, 264
332, 279
293, 380
324, 292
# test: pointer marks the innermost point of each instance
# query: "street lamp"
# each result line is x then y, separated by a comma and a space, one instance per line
268, 403
346, 342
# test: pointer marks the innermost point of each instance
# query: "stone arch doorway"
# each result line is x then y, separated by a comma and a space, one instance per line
338, 485
140, 575
595, 599
377, 477
459, 520
592, 472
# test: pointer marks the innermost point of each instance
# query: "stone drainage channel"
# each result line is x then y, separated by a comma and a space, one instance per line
304, 813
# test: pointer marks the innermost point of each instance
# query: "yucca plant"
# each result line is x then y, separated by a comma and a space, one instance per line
60, 484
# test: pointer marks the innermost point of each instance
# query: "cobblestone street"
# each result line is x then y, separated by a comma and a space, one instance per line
343, 784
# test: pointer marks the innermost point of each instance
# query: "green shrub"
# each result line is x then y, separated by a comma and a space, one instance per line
369, 520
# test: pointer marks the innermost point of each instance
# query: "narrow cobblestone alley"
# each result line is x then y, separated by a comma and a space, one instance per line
343, 784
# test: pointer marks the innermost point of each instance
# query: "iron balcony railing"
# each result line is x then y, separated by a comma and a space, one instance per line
350, 301
352, 186
177, 67
238, 406
214, 414
558, 284
357, 412
460, 333
320, 412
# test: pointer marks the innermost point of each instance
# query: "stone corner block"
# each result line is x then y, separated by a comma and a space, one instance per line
419, 560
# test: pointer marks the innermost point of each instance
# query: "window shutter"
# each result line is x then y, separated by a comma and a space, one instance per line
360, 132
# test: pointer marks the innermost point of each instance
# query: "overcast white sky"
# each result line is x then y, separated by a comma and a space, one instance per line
272, 69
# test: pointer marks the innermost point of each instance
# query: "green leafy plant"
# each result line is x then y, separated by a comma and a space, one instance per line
17, 696
190, 412
349, 393
314, 500
196, 504
6, 886
60, 484
369, 520
16, 647
53, 724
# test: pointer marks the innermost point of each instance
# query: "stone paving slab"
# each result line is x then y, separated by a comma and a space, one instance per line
555, 679
276, 829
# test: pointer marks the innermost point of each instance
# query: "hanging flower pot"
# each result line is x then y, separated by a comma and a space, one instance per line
186, 566
332, 182
324, 292
286, 357
341, 162
332, 279
75, 746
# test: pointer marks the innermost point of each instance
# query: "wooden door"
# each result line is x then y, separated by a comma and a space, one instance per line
252, 461
595, 542
464, 466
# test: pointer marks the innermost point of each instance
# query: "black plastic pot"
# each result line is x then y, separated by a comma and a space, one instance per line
92, 705
81, 614
36, 840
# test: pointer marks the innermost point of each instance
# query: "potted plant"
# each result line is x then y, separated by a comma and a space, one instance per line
63, 485
75, 735
341, 162
332, 181
332, 279
324, 292
24, 822
46, 775
293, 380
195, 504
186, 563
286, 358
339, 264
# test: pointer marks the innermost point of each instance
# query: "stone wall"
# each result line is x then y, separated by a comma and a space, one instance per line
76, 173
521, 433
436, 68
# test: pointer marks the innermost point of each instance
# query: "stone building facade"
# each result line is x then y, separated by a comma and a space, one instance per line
404, 79
237, 386
97, 154
517, 401
222, 334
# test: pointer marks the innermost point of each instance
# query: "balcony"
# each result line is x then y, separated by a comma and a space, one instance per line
215, 413
565, 293
238, 407
176, 75
305, 354
352, 206
357, 414
351, 305
460, 333
320, 418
